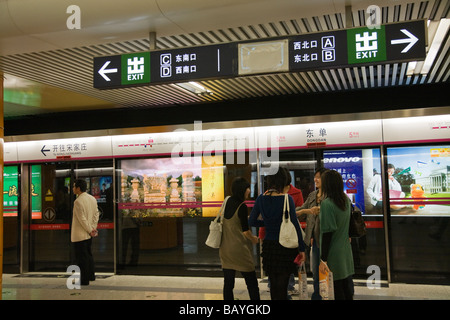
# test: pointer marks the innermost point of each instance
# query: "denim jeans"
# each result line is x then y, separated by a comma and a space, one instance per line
315, 270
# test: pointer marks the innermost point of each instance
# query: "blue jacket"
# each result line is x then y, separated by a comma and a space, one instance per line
270, 208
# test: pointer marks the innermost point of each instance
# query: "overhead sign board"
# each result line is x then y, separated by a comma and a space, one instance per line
342, 48
178, 65
387, 43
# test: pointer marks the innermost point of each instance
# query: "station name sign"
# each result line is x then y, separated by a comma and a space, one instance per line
342, 48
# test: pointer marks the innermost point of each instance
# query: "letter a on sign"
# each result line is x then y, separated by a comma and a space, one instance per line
74, 21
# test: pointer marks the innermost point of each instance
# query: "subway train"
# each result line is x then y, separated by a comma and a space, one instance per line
158, 188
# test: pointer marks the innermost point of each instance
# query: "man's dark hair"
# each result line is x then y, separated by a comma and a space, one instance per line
81, 183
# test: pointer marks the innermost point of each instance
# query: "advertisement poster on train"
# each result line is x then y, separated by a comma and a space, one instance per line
10, 191
349, 164
159, 188
36, 189
423, 173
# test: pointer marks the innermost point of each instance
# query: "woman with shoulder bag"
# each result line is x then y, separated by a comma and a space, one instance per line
236, 248
278, 261
335, 248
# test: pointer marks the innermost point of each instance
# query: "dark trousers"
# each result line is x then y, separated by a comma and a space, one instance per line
343, 289
84, 260
279, 282
250, 280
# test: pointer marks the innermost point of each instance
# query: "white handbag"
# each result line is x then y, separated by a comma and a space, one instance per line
215, 229
288, 234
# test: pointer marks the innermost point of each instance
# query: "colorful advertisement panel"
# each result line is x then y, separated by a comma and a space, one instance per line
349, 164
160, 187
423, 176
10, 191
36, 192
361, 174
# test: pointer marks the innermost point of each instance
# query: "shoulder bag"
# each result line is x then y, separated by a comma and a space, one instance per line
357, 227
215, 229
288, 234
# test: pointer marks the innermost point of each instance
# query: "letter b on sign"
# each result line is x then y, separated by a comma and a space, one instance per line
73, 282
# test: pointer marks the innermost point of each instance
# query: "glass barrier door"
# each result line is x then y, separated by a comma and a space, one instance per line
99, 177
50, 199
11, 223
361, 174
51, 203
419, 204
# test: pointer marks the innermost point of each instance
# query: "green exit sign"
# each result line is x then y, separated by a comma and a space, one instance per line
366, 45
135, 68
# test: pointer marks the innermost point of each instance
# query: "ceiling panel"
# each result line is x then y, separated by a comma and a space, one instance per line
70, 69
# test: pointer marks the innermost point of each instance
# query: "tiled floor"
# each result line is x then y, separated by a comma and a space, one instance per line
121, 287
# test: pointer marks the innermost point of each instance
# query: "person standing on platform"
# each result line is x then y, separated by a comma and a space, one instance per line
278, 261
335, 248
84, 228
309, 211
236, 248
297, 196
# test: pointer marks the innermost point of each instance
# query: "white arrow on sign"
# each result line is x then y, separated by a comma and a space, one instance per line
103, 71
412, 39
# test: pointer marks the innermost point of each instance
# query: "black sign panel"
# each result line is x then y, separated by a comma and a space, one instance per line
322, 50
358, 46
406, 41
107, 72
318, 50
193, 63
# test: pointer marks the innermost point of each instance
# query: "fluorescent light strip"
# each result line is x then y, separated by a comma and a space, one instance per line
435, 45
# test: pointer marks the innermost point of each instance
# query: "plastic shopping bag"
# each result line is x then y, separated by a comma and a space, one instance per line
302, 282
326, 287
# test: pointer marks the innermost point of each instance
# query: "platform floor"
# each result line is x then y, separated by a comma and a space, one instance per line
126, 287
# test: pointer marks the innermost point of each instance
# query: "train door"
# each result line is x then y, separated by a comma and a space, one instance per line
11, 219
361, 174
49, 206
419, 205
301, 166
99, 177
49, 214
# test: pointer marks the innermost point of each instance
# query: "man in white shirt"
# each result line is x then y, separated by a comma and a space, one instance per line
84, 227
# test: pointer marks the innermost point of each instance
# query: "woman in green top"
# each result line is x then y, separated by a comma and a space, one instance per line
335, 248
